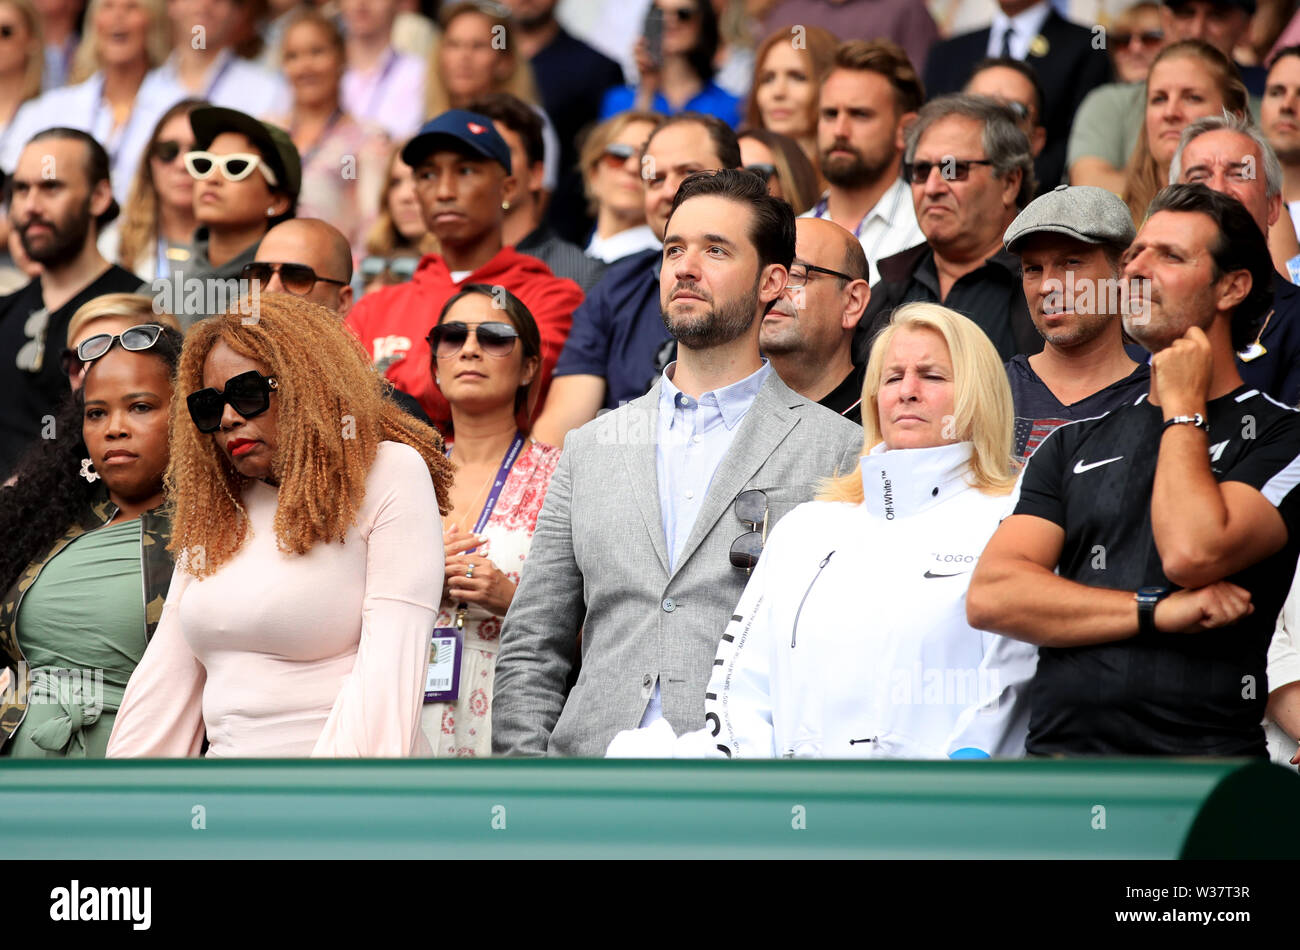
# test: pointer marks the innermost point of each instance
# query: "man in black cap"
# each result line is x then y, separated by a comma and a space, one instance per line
1070, 242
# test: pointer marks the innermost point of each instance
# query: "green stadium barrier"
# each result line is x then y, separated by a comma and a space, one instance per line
623, 809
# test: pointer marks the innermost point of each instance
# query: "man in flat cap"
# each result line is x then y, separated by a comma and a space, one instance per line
1070, 241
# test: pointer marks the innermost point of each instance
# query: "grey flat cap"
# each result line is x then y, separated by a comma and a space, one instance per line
1082, 212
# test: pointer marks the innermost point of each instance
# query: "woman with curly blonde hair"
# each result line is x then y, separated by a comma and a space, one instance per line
308, 540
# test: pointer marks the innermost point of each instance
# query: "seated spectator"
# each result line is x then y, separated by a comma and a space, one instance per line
309, 634
501, 481
308, 258
524, 228
213, 70
782, 165
463, 180
57, 221
611, 174
617, 349
380, 84
247, 175
868, 99
678, 76
1013, 83
116, 94
85, 561
1279, 118
1170, 498
1067, 58
1109, 120
1228, 154
1188, 81
21, 63
1070, 242
157, 227
572, 79
903, 533
342, 155
477, 57
632, 548
1224, 24
971, 174
107, 314
787, 77
808, 333
905, 22
398, 237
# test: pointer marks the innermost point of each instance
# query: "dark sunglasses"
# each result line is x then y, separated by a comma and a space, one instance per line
135, 339
166, 150
918, 173
249, 394
298, 279
762, 170
400, 267
751, 508
494, 339
1149, 39
616, 154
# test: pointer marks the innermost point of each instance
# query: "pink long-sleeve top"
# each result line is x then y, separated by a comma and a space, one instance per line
322, 654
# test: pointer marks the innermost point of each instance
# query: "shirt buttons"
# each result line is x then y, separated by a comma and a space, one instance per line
695, 438
648, 681
669, 605
690, 494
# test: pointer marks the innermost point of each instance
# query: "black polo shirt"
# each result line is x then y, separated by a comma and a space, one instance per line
846, 398
1174, 694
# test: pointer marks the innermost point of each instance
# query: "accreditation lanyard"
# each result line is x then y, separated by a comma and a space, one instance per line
376, 92
442, 680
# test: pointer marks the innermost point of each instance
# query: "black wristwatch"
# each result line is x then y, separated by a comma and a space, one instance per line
1147, 598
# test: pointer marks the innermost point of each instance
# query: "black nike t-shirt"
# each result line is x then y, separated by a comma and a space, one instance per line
1176, 694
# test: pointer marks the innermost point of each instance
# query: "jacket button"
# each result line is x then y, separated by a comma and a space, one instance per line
668, 605
648, 681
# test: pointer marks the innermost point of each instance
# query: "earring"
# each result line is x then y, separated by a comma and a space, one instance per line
505, 206
270, 212
437, 381
88, 471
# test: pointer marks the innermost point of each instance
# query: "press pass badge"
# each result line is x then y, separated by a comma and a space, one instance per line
442, 681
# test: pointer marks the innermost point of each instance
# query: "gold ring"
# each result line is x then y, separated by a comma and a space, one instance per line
469, 571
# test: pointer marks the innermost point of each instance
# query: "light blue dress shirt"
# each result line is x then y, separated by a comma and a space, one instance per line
694, 436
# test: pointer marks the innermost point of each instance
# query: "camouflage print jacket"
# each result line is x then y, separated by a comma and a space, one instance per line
156, 569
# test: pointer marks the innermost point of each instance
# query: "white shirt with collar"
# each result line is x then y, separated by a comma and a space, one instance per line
1027, 24
887, 228
237, 83
630, 241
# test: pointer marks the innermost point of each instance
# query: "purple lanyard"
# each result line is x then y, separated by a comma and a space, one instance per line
320, 139
221, 73
389, 62
820, 211
499, 482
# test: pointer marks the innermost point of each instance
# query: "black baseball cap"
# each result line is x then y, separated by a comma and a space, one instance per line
462, 131
271, 141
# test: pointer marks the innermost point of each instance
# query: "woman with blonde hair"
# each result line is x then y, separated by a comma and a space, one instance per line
398, 238
868, 583
610, 162
105, 316
22, 61
308, 538
115, 92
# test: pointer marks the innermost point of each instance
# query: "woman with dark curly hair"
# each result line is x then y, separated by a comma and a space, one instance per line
86, 532
308, 539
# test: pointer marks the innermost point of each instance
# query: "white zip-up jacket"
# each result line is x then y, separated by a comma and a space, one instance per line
851, 638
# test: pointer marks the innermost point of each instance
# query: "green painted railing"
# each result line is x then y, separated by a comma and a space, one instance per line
592, 808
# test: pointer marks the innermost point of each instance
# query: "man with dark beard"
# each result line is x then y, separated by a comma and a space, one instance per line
1070, 242
658, 509
870, 95
60, 199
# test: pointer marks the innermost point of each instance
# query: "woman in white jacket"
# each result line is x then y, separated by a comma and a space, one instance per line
851, 638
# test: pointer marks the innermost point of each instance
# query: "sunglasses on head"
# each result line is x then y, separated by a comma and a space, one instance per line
166, 150
234, 167
136, 338
616, 154
918, 173
494, 339
298, 279
403, 268
249, 394
751, 509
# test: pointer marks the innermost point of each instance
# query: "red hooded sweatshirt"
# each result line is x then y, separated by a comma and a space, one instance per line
392, 323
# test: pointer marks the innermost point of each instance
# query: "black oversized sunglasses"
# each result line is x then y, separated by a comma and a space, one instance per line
751, 508
494, 339
249, 394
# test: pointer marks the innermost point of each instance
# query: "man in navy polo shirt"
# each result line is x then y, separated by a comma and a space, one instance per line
613, 353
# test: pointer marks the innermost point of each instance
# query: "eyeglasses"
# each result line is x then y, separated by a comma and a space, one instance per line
249, 394
800, 274
298, 279
494, 339
954, 169
762, 170
166, 150
616, 154
139, 337
751, 508
1018, 109
234, 167
1149, 39
402, 268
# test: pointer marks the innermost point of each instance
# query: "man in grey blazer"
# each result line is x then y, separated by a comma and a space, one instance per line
635, 544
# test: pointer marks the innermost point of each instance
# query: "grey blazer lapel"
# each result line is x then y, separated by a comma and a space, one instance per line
641, 437
765, 426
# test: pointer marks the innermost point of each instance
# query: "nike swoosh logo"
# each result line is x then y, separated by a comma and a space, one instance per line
929, 574
1080, 468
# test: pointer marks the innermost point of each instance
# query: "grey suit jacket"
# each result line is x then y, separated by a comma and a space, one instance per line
599, 564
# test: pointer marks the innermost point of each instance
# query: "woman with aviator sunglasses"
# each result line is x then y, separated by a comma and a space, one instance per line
486, 359
611, 175
85, 562
298, 622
